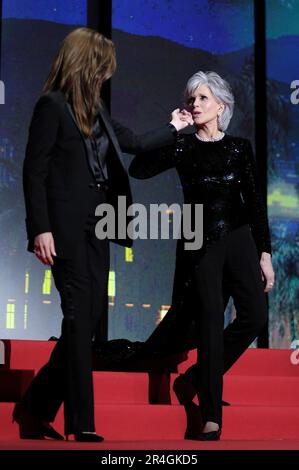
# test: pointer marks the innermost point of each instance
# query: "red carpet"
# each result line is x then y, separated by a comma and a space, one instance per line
262, 389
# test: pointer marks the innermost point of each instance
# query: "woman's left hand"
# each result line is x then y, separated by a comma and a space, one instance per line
268, 274
186, 116
181, 119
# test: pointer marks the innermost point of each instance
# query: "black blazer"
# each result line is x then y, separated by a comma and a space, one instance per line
58, 179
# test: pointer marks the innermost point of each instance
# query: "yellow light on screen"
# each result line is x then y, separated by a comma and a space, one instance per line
47, 282
10, 316
111, 284
129, 255
26, 283
162, 312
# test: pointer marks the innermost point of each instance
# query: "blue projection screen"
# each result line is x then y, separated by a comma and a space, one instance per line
31, 34
283, 168
159, 46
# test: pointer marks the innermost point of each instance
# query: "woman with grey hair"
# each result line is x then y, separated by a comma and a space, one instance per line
217, 170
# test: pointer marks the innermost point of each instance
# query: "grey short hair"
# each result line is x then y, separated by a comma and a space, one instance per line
220, 89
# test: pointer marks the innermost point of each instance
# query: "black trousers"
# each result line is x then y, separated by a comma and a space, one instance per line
231, 266
82, 283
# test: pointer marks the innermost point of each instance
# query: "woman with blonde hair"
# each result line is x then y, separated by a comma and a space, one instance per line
73, 164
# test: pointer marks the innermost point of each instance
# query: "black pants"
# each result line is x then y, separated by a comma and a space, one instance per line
82, 283
230, 265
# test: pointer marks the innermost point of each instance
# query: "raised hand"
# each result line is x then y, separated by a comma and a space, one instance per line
181, 119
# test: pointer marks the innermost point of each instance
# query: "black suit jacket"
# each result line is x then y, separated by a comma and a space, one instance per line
58, 178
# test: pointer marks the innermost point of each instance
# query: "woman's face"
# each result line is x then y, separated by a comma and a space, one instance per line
203, 106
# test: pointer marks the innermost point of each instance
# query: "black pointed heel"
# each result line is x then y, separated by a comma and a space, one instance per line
88, 437
209, 436
31, 427
49, 431
205, 436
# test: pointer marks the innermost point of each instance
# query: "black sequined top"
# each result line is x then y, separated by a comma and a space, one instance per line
222, 176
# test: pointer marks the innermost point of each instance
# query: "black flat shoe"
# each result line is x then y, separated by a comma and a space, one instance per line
205, 436
49, 431
88, 437
31, 427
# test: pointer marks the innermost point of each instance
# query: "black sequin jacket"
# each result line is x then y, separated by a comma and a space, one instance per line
222, 176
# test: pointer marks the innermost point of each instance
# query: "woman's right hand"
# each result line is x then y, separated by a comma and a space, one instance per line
44, 247
268, 275
181, 119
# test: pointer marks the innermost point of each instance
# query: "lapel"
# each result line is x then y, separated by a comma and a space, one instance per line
109, 129
86, 140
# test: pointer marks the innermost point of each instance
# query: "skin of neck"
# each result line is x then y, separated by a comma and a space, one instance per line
209, 130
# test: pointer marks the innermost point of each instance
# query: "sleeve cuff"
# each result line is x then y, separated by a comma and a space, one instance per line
173, 129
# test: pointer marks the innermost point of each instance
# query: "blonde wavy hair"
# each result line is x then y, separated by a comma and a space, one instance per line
84, 61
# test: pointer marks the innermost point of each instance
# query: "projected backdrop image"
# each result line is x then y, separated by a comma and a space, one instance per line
283, 169
31, 34
159, 46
